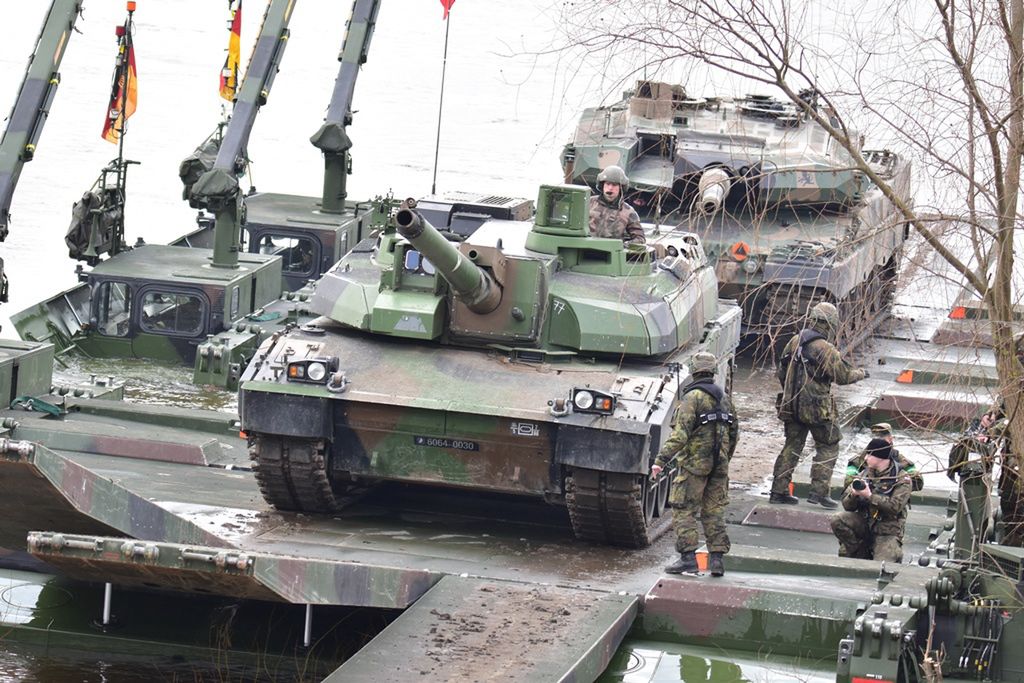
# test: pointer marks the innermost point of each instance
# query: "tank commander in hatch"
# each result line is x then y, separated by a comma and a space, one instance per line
702, 443
810, 364
610, 215
883, 430
875, 504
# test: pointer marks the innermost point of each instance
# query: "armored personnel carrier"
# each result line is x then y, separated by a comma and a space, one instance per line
525, 358
785, 217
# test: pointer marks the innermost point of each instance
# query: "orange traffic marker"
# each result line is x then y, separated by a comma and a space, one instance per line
702, 560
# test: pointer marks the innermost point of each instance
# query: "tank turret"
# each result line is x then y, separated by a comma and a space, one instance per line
473, 285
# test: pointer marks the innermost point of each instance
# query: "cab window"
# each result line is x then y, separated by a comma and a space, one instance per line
172, 313
297, 253
113, 309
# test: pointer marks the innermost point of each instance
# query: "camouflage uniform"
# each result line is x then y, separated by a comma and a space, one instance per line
873, 528
806, 405
701, 484
619, 220
857, 463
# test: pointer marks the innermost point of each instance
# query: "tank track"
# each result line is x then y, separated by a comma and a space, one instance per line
292, 475
862, 311
615, 508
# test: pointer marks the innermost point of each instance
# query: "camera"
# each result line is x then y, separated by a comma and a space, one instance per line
859, 485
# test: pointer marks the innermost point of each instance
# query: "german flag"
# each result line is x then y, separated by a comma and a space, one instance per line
229, 74
124, 91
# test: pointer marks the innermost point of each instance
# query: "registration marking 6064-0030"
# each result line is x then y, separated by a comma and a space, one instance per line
443, 442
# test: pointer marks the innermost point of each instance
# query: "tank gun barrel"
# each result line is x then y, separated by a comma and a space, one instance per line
713, 186
217, 189
472, 284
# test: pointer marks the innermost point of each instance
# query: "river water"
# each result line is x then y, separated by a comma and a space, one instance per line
507, 112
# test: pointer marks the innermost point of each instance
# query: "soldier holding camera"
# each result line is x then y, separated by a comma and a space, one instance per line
883, 430
875, 505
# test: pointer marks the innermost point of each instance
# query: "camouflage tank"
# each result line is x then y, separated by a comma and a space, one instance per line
784, 216
526, 358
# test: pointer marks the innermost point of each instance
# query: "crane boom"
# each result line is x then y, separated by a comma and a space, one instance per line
32, 106
217, 189
332, 138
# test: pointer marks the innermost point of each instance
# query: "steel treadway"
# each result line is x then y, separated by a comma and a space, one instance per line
466, 629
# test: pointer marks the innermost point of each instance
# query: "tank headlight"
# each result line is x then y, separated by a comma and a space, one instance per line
316, 372
751, 266
584, 400
313, 371
590, 401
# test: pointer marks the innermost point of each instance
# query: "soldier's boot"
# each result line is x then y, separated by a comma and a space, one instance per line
716, 564
824, 501
782, 499
687, 563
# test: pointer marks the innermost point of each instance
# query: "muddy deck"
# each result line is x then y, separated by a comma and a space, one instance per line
205, 529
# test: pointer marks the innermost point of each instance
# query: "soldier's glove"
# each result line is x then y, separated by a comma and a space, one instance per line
655, 471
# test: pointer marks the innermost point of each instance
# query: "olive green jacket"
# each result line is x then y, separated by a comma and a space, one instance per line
886, 508
857, 463
807, 387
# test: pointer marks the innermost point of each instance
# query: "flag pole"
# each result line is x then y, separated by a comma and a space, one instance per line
440, 105
125, 75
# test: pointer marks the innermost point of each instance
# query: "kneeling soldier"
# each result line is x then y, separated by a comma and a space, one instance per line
701, 443
876, 503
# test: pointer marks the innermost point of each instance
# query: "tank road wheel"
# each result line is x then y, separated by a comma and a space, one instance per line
613, 507
292, 473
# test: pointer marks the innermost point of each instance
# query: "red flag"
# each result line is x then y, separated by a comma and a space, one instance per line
229, 74
447, 7
124, 91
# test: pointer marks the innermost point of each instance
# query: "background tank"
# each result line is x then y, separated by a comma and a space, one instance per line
526, 359
784, 217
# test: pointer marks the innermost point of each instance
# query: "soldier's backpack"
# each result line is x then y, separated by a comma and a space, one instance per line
794, 369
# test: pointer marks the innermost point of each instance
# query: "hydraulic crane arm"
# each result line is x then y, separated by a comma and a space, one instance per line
332, 138
217, 189
32, 105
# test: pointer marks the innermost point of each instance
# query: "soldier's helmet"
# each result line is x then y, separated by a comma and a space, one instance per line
703, 362
613, 174
826, 313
